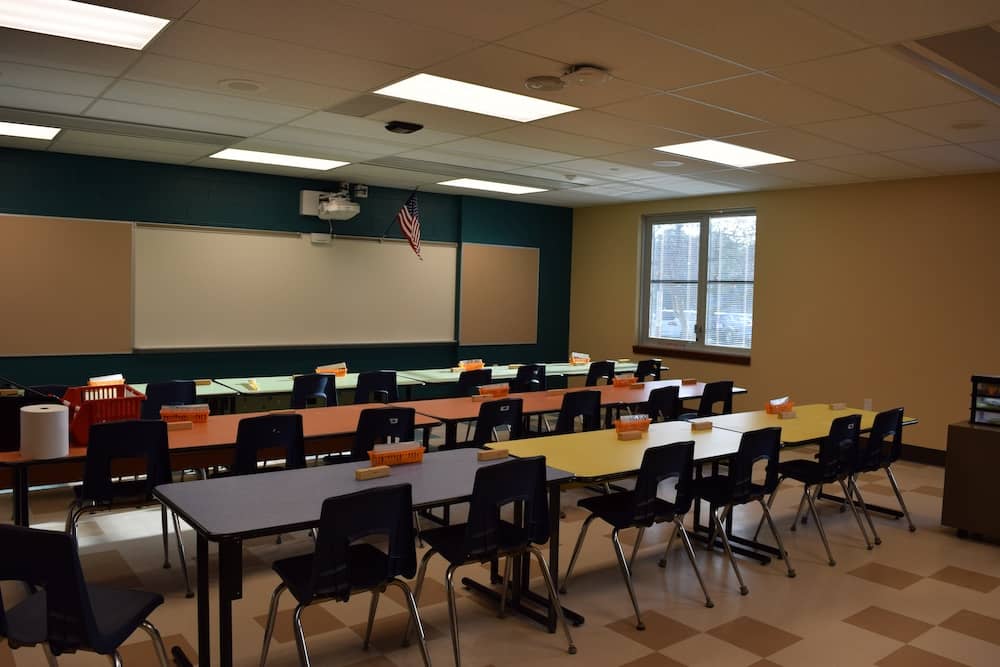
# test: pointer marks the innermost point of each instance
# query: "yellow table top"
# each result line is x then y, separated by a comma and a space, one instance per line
601, 455
811, 422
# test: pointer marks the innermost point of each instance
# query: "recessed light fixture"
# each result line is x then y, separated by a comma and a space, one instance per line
723, 153
453, 94
667, 163
29, 131
278, 159
241, 85
80, 20
491, 186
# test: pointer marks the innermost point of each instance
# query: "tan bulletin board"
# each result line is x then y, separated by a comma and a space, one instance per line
499, 300
65, 286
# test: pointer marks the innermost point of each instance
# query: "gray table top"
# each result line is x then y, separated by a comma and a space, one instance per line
282, 501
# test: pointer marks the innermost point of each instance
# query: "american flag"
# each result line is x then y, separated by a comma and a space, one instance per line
409, 222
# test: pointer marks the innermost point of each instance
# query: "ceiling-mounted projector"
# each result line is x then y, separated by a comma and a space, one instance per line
336, 207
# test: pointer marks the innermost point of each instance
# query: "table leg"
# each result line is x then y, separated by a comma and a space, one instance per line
230, 588
22, 516
871, 508
204, 629
450, 433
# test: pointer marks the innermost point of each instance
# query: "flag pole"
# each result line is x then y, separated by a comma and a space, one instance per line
393, 222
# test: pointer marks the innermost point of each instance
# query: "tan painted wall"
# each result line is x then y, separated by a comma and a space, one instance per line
881, 290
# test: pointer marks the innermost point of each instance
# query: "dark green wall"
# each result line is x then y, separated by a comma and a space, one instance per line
38, 183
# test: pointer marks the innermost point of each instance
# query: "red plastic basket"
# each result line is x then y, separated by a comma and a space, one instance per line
95, 405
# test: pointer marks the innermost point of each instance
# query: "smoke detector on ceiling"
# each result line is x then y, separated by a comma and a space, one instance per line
544, 83
585, 75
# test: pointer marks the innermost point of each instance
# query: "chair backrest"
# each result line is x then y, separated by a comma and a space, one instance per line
585, 404
376, 387
378, 426
173, 392
600, 370
762, 444
384, 512
469, 382
49, 560
114, 441
530, 377
658, 464
57, 390
498, 485
838, 451
648, 368
664, 404
716, 392
502, 412
313, 389
885, 440
269, 432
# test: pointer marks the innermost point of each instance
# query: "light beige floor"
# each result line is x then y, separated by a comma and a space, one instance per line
920, 599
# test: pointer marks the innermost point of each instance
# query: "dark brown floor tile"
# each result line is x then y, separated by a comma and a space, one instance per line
315, 620
958, 576
889, 624
911, 656
754, 636
143, 653
433, 593
886, 575
975, 625
6, 656
880, 489
661, 631
109, 568
375, 661
764, 663
574, 513
935, 491
387, 633
654, 660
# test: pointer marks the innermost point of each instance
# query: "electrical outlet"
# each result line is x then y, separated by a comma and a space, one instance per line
868, 404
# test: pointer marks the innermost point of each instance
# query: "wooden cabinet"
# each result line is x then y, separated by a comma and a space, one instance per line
972, 480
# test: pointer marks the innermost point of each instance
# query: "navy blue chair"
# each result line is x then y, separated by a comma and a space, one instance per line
268, 433
584, 404
600, 370
530, 377
313, 389
380, 426
495, 414
376, 387
173, 392
883, 448
663, 404
648, 368
469, 382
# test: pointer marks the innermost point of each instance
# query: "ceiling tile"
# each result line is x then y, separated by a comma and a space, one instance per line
554, 173
23, 143
990, 148
166, 9
570, 198
659, 161
80, 140
628, 53
463, 160
388, 176
32, 48
39, 100
506, 69
553, 140
372, 129
333, 27
613, 128
792, 143
759, 34
872, 133
334, 146
609, 171
688, 186
504, 151
139, 92
808, 172
53, 80
684, 116
873, 165
187, 120
750, 180
207, 44
188, 74
888, 21
946, 159
488, 21
123, 153
443, 119
771, 99
941, 121
874, 79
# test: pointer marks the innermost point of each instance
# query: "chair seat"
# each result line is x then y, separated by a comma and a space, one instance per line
715, 490
118, 612
618, 509
805, 471
449, 541
367, 567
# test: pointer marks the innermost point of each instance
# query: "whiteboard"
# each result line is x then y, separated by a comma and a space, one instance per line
212, 288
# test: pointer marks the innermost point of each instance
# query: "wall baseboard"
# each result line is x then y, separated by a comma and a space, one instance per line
934, 457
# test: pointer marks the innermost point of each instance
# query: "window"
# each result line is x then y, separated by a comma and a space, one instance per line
697, 281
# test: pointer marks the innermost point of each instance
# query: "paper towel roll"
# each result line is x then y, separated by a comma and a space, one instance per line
44, 431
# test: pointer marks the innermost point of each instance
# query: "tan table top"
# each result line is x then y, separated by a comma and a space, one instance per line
811, 422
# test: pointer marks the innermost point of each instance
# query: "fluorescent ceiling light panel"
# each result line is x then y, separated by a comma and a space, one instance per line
471, 97
79, 20
723, 153
474, 184
277, 158
29, 131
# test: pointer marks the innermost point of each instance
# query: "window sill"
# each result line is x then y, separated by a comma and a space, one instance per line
698, 355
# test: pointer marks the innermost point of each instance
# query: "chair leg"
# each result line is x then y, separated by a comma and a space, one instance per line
421, 573
679, 527
166, 537
899, 497
154, 634
415, 619
506, 584
553, 598
50, 659
182, 554
670, 542
802, 507
115, 659
857, 515
777, 537
371, 618
576, 552
416, 528
72, 516
635, 547
271, 616
623, 566
721, 530
853, 485
300, 637
770, 503
453, 613
819, 527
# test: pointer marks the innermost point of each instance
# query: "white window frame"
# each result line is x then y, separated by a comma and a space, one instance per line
645, 270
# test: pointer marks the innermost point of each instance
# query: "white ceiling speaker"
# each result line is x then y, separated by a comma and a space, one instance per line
586, 75
544, 84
